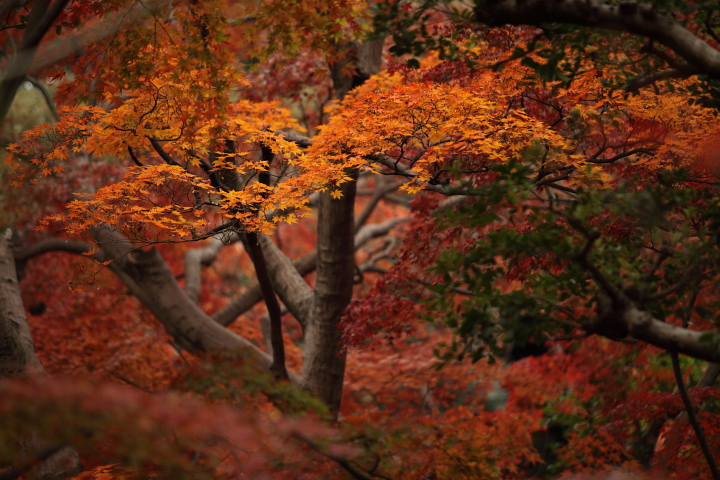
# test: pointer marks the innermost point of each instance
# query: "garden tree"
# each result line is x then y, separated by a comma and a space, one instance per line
620, 147
637, 43
628, 294
684, 30
544, 184
199, 32
221, 128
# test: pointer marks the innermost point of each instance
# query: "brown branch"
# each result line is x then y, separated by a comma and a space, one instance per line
304, 265
378, 194
250, 240
133, 157
692, 416
619, 156
299, 140
398, 168
288, 283
148, 277
266, 329
167, 158
46, 96
631, 17
54, 245
650, 78
42, 16
709, 376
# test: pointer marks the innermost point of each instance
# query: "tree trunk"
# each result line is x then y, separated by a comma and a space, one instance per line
18, 359
324, 357
17, 351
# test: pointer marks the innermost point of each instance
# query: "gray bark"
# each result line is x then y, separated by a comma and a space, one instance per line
18, 359
709, 376
303, 266
643, 326
288, 283
196, 258
324, 356
148, 277
17, 351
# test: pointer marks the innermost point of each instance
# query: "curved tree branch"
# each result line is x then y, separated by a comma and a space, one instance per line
42, 16
289, 284
148, 277
631, 17
378, 194
645, 327
692, 416
648, 79
55, 245
304, 265
196, 258
255, 251
46, 96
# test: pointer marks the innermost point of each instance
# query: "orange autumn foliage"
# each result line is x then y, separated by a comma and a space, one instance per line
400, 414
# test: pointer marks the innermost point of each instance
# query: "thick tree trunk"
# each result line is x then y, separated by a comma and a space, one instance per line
17, 351
324, 357
18, 359
41, 19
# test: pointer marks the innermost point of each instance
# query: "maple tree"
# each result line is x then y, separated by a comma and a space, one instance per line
563, 214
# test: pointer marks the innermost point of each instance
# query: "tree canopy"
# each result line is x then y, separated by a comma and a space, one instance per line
359, 240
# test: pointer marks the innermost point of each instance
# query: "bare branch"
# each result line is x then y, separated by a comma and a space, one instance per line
649, 78
692, 416
42, 15
167, 158
403, 170
304, 265
56, 245
250, 240
266, 329
379, 193
289, 284
148, 277
197, 257
643, 326
46, 95
134, 158
709, 376
298, 139
631, 17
